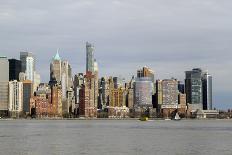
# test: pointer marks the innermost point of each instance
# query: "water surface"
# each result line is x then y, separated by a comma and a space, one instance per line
124, 137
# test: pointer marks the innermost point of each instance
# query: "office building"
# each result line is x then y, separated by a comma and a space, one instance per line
28, 65
14, 69
207, 91
15, 98
4, 86
193, 88
146, 72
27, 94
89, 57
143, 92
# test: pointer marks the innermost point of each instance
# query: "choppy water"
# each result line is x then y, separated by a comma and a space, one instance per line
103, 137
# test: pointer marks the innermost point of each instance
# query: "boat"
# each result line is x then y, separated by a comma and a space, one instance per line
143, 119
177, 117
167, 118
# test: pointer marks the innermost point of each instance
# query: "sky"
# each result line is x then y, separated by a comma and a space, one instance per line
166, 35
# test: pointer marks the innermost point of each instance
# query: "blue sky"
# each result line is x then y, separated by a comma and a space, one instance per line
168, 36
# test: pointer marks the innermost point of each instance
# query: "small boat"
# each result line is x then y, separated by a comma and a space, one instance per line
143, 119
177, 117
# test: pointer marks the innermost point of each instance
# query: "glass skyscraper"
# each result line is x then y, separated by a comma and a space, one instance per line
193, 88
207, 91
28, 65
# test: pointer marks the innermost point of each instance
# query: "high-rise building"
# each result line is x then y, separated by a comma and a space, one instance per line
4, 90
89, 57
55, 68
61, 73
87, 106
146, 72
193, 88
143, 92
23, 58
28, 65
170, 92
15, 98
159, 93
14, 69
27, 94
181, 87
207, 91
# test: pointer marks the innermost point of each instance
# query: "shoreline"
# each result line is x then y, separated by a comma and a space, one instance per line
104, 119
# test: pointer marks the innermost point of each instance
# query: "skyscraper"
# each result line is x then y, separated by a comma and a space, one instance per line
4, 91
207, 91
14, 69
15, 98
27, 94
88, 108
61, 73
170, 92
193, 88
28, 65
143, 92
89, 57
55, 68
146, 72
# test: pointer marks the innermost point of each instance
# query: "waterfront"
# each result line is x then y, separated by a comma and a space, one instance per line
35, 137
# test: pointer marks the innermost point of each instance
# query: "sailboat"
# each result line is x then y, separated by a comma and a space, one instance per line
177, 117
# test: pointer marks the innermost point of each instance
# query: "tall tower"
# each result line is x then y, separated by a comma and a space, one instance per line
207, 91
28, 65
4, 91
89, 57
15, 98
55, 68
14, 69
193, 87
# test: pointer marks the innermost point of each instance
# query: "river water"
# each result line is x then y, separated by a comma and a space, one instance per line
116, 137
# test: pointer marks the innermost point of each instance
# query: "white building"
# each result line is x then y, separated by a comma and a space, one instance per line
30, 68
15, 98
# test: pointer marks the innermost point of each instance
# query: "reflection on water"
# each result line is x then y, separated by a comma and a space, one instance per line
35, 137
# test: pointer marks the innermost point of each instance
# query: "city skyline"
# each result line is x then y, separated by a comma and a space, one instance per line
168, 49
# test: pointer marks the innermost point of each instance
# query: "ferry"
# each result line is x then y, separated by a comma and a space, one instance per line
143, 119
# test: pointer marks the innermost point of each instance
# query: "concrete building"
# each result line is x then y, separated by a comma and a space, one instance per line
37, 81
146, 72
89, 57
47, 101
15, 98
27, 94
143, 92
61, 74
4, 86
14, 69
170, 92
55, 68
88, 107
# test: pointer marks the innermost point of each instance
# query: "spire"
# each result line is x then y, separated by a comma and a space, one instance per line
57, 56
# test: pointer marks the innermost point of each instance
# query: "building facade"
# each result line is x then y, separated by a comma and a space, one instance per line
143, 92
14, 69
15, 98
4, 86
89, 57
193, 88
207, 91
